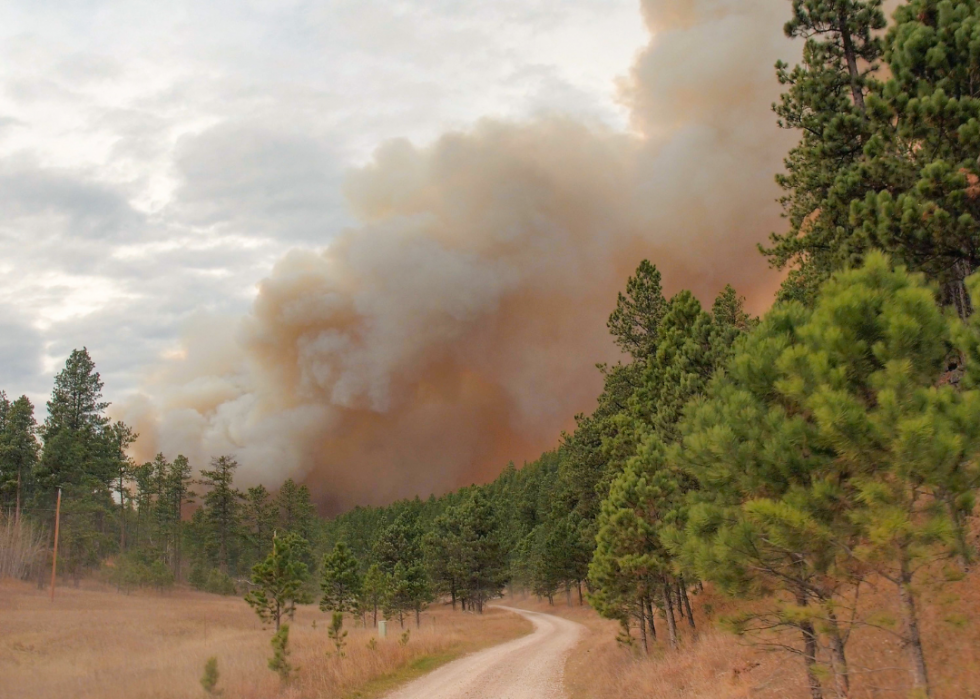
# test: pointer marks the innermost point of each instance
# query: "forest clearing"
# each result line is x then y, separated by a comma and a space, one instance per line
95, 643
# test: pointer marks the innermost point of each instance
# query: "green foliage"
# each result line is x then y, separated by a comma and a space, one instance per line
19, 450
634, 323
375, 589
340, 580
279, 580
279, 662
220, 519
212, 580
209, 680
337, 634
825, 102
133, 570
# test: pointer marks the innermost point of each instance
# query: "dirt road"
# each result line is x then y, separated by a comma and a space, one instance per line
527, 668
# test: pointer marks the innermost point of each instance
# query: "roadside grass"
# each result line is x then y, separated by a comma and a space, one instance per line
718, 665
94, 643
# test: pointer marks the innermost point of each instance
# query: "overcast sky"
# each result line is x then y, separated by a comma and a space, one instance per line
156, 158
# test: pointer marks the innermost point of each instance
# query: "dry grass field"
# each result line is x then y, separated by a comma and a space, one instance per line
94, 643
720, 666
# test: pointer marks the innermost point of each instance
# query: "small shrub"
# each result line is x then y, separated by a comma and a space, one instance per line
404, 639
279, 662
211, 580
337, 634
372, 644
209, 679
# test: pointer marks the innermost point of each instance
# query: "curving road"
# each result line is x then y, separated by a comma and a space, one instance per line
530, 667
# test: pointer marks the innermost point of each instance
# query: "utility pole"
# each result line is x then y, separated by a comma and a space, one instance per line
54, 559
17, 516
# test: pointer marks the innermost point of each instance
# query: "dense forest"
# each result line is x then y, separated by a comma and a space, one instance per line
787, 460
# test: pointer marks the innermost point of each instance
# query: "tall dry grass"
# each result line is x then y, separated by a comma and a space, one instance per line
23, 548
95, 643
718, 665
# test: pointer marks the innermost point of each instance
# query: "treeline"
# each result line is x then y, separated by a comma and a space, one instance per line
128, 519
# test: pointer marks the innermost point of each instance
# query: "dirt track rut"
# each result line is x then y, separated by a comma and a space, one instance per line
530, 667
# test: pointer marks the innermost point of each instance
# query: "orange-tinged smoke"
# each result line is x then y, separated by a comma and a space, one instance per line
457, 327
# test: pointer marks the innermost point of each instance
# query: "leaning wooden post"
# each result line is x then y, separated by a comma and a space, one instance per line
54, 559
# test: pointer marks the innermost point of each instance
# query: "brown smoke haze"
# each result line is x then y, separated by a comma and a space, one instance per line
457, 327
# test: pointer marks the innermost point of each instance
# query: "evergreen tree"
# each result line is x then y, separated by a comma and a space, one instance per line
259, 517
375, 588
74, 431
444, 554
221, 514
19, 451
340, 580
296, 511
279, 580
826, 450
177, 493
409, 590
279, 662
825, 102
924, 205
484, 565
634, 323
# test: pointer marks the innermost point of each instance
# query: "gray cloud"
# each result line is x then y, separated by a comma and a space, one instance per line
257, 181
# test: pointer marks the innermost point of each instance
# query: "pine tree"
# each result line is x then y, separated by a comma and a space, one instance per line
925, 210
259, 517
444, 554
634, 323
296, 511
74, 429
484, 564
336, 633
340, 580
375, 588
279, 662
177, 493
279, 580
825, 102
209, 680
221, 514
19, 451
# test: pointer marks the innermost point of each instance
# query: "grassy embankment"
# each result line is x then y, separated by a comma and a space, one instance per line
96, 643
721, 666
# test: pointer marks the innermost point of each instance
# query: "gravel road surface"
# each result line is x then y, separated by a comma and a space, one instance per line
530, 667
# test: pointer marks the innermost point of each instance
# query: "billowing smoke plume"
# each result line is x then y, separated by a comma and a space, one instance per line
457, 327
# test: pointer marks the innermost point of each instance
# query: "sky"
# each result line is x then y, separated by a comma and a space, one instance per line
157, 159
370, 246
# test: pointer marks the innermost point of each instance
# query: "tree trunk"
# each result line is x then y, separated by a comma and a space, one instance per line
851, 58
682, 593
643, 628
375, 614
669, 614
580, 602
650, 618
452, 593
838, 660
568, 594
418, 618
917, 659
809, 650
